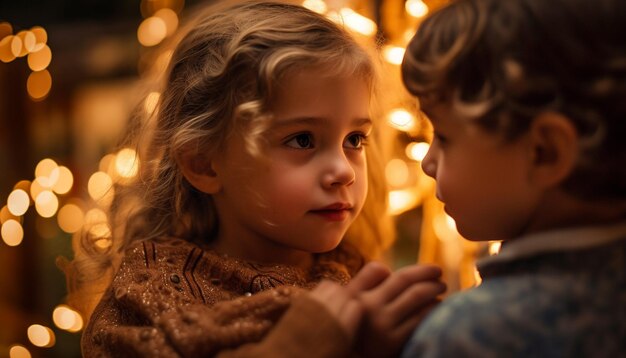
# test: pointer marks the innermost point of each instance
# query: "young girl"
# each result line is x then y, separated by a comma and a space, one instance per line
527, 102
253, 188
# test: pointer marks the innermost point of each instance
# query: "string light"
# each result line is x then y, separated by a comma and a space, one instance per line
40, 336
393, 54
18, 351
417, 151
18, 202
12, 232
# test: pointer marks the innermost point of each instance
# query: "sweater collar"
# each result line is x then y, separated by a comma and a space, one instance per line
570, 239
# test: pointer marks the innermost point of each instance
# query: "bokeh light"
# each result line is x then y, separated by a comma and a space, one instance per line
67, 319
65, 180
100, 187
152, 31
397, 173
39, 60
401, 119
18, 351
46, 204
127, 163
417, 150
40, 336
393, 54
151, 101
18, 202
39, 84
70, 218
12, 232
416, 8
319, 6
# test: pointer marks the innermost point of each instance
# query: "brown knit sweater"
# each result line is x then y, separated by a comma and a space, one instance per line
171, 298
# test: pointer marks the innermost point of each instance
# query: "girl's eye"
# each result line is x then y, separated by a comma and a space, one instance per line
355, 140
301, 141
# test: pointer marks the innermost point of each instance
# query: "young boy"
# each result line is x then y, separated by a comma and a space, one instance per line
527, 99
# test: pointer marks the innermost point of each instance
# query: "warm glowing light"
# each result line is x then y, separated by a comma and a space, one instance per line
417, 151
162, 61
100, 183
95, 216
494, 247
16, 45
40, 59
149, 7
319, 6
127, 163
22, 184
397, 173
45, 173
151, 31
151, 101
357, 22
6, 51
401, 119
401, 201
45, 167
40, 336
170, 18
416, 8
408, 35
18, 202
41, 35
12, 232
65, 180
39, 84
17, 351
28, 42
445, 227
5, 215
71, 218
66, 318
46, 204
393, 54
5, 29
107, 164
101, 233
477, 278
36, 188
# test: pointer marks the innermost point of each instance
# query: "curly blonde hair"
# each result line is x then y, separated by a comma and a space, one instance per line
221, 79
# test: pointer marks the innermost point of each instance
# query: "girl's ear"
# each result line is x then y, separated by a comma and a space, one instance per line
198, 170
554, 142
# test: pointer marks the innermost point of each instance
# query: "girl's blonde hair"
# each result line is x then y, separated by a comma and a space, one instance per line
221, 79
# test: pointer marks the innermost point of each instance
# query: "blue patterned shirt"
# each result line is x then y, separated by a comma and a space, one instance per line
553, 294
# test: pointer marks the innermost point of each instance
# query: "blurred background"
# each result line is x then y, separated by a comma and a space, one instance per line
70, 76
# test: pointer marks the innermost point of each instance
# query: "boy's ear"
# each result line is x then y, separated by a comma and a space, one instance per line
554, 141
199, 172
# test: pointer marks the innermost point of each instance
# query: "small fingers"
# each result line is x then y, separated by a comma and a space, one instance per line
415, 299
370, 276
398, 282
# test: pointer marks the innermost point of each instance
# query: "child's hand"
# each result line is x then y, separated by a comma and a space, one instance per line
393, 305
341, 303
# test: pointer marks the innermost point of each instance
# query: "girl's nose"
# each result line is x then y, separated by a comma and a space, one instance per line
339, 171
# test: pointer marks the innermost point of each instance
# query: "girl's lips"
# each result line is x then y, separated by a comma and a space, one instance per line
333, 214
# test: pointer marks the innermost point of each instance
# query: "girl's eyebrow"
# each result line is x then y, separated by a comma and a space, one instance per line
288, 122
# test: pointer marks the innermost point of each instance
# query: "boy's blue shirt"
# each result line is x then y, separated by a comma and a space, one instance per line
553, 294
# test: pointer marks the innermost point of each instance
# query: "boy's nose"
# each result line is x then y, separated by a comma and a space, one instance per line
429, 165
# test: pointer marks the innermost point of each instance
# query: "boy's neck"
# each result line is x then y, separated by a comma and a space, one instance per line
559, 209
